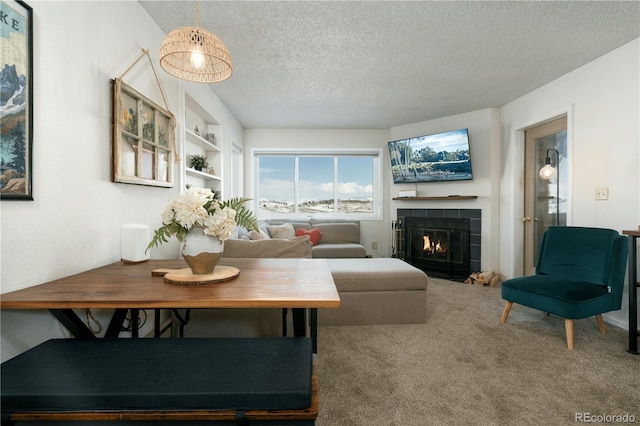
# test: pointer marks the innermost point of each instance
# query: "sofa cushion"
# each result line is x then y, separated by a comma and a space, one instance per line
291, 247
313, 233
258, 235
346, 250
339, 233
379, 274
282, 231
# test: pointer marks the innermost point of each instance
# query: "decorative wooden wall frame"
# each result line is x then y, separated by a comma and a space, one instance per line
142, 138
16, 102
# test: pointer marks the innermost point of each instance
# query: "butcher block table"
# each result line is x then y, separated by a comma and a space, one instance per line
261, 283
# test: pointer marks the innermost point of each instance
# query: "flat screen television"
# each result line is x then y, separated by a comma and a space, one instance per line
431, 158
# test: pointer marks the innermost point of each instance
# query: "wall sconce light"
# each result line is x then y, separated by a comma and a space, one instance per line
195, 54
547, 172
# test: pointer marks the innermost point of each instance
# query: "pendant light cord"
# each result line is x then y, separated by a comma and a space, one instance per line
197, 14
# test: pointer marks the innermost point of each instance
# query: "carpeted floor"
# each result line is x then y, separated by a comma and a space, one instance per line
462, 367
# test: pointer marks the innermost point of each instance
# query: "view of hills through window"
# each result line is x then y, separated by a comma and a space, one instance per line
315, 184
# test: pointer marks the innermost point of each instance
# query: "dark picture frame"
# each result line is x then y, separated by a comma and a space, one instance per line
16, 101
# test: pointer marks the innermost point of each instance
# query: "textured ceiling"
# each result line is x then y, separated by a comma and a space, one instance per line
380, 64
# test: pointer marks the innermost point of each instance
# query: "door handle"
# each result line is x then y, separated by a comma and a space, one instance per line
526, 219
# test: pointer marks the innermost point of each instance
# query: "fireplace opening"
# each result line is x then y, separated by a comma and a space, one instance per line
438, 246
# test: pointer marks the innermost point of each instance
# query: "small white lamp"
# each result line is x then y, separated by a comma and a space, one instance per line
134, 239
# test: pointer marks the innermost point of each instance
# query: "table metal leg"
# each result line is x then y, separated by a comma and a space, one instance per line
115, 326
73, 323
135, 320
314, 329
299, 323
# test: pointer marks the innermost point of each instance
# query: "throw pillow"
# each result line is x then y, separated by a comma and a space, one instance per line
243, 233
255, 235
282, 231
313, 233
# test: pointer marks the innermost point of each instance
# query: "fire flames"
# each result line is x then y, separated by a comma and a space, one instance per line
430, 247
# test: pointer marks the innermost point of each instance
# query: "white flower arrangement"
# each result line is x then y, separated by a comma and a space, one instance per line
198, 207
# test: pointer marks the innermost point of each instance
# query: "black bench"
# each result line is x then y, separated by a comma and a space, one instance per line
228, 380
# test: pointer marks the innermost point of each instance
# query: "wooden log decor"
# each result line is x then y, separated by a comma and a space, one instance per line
186, 277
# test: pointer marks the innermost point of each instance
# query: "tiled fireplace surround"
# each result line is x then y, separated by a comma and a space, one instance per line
475, 226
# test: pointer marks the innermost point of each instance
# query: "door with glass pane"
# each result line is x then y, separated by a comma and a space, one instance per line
545, 184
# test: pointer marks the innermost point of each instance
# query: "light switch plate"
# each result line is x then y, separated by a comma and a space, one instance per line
602, 193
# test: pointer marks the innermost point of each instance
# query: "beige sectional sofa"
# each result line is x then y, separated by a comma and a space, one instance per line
372, 291
339, 238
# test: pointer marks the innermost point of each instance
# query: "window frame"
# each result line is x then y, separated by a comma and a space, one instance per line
375, 153
152, 152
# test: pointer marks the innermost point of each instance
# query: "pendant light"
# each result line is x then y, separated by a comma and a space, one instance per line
195, 54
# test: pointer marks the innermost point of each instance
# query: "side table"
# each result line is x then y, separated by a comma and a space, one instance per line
633, 290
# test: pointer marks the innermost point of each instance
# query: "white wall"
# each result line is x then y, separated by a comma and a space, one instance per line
602, 100
484, 145
372, 230
73, 224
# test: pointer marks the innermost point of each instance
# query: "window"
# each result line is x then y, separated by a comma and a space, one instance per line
317, 182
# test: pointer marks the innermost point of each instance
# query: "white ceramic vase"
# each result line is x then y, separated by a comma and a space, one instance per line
201, 251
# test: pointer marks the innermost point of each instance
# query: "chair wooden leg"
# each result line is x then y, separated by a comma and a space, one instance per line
603, 329
505, 313
568, 326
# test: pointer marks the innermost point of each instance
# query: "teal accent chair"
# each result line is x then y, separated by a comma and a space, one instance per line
580, 272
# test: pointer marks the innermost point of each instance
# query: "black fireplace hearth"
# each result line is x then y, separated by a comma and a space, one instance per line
440, 246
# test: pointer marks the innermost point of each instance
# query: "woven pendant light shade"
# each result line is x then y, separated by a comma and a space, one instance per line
212, 62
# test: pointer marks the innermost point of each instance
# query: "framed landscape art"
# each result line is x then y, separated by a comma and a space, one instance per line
16, 100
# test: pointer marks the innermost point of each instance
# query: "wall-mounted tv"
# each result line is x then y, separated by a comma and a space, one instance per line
431, 158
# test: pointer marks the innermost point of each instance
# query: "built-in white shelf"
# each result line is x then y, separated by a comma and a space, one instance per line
197, 173
200, 141
199, 121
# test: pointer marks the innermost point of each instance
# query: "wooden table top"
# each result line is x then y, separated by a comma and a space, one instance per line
262, 283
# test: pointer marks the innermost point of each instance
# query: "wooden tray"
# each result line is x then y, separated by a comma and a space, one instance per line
186, 277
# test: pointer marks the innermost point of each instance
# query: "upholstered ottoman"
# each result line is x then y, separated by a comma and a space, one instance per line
376, 291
